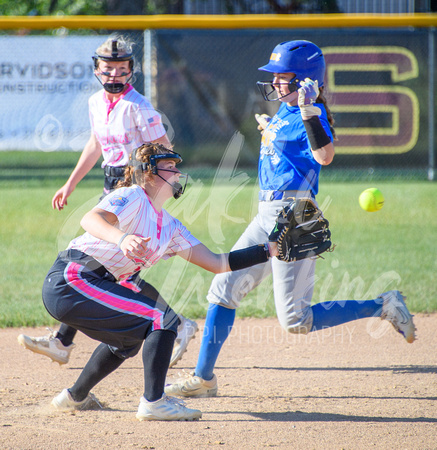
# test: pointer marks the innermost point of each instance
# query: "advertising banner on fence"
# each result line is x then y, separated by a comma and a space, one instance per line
377, 85
45, 83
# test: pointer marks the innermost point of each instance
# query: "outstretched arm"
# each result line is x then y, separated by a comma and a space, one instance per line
203, 257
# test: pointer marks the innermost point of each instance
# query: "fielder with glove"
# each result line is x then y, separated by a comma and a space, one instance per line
296, 142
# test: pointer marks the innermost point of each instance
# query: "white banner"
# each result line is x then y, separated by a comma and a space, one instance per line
45, 83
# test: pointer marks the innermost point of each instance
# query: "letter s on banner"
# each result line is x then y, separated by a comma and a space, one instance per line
397, 135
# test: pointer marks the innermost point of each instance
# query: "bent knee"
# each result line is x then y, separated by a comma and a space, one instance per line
230, 303
298, 323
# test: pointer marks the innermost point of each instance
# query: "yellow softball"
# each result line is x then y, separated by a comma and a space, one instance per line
371, 200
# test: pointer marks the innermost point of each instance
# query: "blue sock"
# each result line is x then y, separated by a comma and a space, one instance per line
330, 314
218, 325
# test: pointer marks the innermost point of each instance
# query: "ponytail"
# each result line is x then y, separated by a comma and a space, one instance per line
127, 181
322, 99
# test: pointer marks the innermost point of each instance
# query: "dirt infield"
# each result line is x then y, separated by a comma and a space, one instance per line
357, 386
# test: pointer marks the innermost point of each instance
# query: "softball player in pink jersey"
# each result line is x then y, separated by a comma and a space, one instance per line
121, 120
127, 230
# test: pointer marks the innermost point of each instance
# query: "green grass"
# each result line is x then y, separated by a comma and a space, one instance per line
393, 248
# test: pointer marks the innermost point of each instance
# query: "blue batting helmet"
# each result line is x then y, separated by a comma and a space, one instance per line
303, 58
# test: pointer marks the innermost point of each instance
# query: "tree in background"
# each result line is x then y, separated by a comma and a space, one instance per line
307, 6
124, 8
52, 7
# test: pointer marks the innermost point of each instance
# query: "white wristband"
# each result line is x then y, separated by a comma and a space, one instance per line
122, 239
310, 111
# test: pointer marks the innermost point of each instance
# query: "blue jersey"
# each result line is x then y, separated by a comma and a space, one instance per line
286, 161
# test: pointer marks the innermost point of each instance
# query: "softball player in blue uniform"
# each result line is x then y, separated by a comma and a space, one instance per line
128, 230
121, 120
296, 142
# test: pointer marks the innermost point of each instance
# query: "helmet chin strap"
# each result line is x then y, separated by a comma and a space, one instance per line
177, 187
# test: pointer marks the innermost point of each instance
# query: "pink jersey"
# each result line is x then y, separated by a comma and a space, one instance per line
124, 125
136, 215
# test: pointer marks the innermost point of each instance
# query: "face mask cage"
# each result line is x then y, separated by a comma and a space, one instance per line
270, 94
178, 186
114, 87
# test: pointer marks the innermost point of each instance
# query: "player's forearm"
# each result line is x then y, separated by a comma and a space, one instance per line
79, 172
201, 256
320, 143
325, 154
251, 256
88, 159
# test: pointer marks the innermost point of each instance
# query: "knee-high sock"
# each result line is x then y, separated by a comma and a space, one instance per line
66, 334
330, 314
157, 350
99, 366
218, 325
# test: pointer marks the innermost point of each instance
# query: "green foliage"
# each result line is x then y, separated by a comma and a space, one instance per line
52, 7
89, 7
101, 7
393, 248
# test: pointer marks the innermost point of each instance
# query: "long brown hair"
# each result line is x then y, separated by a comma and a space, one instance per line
322, 99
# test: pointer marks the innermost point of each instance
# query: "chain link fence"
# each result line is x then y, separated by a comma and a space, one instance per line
380, 87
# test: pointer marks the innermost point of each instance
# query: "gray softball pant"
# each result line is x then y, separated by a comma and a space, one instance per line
293, 283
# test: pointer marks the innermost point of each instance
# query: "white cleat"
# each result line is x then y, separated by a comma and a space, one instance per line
47, 345
64, 402
190, 385
396, 312
186, 331
166, 408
